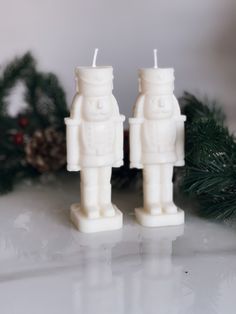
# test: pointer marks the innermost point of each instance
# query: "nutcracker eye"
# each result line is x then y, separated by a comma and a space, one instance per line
91, 102
153, 101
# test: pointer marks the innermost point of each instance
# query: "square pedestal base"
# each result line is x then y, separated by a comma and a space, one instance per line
147, 220
88, 225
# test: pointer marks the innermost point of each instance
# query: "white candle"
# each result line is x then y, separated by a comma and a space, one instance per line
157, 145
94, 146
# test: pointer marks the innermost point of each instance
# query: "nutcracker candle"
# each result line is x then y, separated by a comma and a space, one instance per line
94, 146
157, 145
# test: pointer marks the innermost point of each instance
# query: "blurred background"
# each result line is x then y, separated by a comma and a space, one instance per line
197, 38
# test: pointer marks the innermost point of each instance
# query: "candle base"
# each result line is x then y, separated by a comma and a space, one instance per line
89, 225
147, 220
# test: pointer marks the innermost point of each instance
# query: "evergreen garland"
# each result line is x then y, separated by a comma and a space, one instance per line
46, 107
209, 175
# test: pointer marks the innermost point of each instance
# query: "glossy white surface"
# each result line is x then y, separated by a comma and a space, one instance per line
47, 266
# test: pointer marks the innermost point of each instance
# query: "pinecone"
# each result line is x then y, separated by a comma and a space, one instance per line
46, 150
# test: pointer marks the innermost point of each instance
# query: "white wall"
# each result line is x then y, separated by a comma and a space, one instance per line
197, 38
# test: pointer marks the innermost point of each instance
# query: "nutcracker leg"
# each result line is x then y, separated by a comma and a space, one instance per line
89, 192
105, 192
167, 189
151, 189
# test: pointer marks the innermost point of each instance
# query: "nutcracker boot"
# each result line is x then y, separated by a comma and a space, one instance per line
168, 205
152, 189
89, 192
105, 203
89, 201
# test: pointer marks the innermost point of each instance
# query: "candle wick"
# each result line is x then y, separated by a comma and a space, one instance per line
155, 58
95, 58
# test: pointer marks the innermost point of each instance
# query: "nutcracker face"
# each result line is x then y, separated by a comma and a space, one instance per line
97, 108
158, 107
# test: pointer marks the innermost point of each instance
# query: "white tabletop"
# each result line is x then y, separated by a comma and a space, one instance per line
47, 266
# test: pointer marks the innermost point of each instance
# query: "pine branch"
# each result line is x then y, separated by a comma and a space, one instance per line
46, 106
17, 70
210, 171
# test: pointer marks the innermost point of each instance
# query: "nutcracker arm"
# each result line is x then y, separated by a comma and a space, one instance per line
119, 140
180, 140
75, 112
135, 134
119, 134
72, 135
135, 142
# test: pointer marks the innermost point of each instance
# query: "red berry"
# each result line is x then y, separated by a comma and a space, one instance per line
18, 138
23, 122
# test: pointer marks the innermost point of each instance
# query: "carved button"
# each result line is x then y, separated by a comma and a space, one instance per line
99, 104
161, 103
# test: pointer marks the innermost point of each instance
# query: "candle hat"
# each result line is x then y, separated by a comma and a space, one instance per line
95, 75
160, 80
158, 76
94, 81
